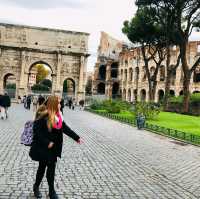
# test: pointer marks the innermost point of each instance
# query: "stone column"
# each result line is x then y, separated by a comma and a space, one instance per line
81, 88
23, 82
1, 84
57, 90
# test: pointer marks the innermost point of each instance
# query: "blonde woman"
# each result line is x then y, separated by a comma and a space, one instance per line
47, 143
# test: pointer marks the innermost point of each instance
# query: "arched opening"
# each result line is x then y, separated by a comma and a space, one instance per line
144, 74
129, 95
196, 77
125, 75
181, 93
195, 92
162, 73
152, 71
172, 93
173, 77
121, 74
124, 94
115, 90
40, 78
102, 72
135, 95
143, 95
130, 74
160, 95
101, 88
114, 70
9, 85
137, 71
69, 88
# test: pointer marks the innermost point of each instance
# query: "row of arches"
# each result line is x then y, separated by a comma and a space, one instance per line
101, 89
39, 74
132, 95
134, 74
113, 71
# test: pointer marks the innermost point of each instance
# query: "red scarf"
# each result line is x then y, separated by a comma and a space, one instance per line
58, 121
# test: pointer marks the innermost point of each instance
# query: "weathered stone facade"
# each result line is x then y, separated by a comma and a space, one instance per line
105, 81
133, 80
65, 52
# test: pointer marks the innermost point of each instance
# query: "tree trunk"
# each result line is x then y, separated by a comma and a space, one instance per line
167, 81
186, 78
186, 92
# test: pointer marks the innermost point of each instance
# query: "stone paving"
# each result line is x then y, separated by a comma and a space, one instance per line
115, 161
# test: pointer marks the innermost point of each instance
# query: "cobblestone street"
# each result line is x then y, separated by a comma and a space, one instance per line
115, 161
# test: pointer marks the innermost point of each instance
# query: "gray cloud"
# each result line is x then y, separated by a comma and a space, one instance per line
44, 4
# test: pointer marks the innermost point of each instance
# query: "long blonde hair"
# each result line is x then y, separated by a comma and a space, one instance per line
52, 108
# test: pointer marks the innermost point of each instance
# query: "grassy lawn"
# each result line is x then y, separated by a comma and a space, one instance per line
126, 114
186, 123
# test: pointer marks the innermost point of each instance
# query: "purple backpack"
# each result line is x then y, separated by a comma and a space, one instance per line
27, 135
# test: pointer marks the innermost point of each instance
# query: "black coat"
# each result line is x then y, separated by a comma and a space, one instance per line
5, 101
42, 137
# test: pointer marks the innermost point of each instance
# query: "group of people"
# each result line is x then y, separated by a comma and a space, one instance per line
5, 103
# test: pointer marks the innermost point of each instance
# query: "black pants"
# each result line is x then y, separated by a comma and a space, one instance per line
50, 174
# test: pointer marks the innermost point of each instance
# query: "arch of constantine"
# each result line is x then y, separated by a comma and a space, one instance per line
65, 52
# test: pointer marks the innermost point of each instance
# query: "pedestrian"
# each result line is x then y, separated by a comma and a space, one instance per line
5, 104
35, 101
62, 105
70, 103
81, 104
41, 100
28, 102
47, 142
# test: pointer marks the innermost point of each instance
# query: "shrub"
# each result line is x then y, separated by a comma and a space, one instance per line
195, 98
149, 110
39, 87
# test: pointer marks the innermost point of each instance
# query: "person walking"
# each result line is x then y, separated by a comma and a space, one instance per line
35, 101
48, 129
5, 104
28, 102
41, 100
62, 104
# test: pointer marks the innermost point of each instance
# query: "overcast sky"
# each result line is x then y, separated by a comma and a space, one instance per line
90, 16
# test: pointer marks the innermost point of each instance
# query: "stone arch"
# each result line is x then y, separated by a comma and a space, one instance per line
173, 76
137, 72
102, 72
196, 76
124, 94
69, 88
130, 74
143, 95
161, 94
135, 94
172, 93
129, 95
125, 75
9, 84
101, 88
121, 75
32, 74
181, 92
162, 73
195, 92
114, 70
115, 89
152, 70
144, 74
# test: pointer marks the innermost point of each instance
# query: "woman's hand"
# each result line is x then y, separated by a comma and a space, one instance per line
50, 145
80, 141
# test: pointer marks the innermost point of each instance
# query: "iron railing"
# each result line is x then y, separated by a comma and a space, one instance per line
173, 133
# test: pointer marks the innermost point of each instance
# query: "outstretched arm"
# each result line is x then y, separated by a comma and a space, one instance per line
68, 131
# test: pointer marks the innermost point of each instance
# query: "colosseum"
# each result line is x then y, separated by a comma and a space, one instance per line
132, 79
